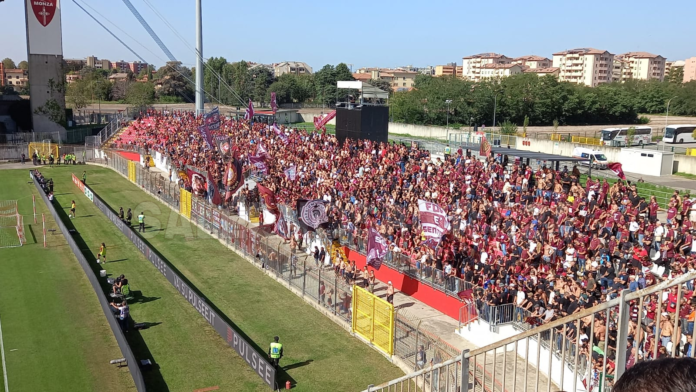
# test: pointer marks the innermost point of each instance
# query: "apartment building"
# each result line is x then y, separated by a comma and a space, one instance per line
16, 78
587, 66
2, 74
137, 66
638, 65
450, 69
293, 67
533, 61
472, 66
94, 62
553, 71
120, 66
399, 79
689, 69
497, 71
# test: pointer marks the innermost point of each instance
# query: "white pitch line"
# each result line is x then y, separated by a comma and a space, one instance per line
4, 367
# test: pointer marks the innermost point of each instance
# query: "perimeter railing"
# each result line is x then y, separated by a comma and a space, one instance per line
585, 351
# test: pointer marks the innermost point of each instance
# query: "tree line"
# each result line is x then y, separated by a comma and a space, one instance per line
542, 100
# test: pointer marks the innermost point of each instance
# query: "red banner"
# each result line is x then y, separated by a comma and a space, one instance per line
320, 122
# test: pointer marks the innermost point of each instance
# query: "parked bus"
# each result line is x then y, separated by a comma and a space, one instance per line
617, 137
679, 134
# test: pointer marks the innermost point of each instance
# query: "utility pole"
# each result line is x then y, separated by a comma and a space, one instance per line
200, 97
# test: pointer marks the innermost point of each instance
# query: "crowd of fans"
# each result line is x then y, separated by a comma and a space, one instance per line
537, 238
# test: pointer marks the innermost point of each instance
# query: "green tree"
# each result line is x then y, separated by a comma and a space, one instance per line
262, 79
140, 94
212, 84
23, 65
174, 79
630, 135
8, 63
524, 126
676, 75
380, 84
508, 128
78, 94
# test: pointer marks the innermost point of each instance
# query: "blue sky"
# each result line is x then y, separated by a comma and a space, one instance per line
367, 33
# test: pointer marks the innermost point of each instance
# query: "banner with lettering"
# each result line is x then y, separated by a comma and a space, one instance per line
212, 119
259, 162
376, 248
434, 221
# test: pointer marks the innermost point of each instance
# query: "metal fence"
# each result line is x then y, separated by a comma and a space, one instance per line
133, 364
588, 350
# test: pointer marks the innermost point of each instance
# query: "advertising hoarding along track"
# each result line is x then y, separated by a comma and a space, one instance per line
256, 360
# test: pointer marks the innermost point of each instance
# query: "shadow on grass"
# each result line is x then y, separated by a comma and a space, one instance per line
139, 298
281, 375
298, 364
153, 378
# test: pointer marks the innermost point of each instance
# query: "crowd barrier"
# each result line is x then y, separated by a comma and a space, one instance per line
126, 351
246, 349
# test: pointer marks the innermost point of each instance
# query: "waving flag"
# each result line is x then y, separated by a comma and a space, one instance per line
485, 147
281, 227
269, 198
291, 173
280, 133
212, 119
434, 221
233, 178
224, 145
376, 248
617, 168
320, 122
261, 151
274, 103
249, 113
259, 163
207, 135
213, 194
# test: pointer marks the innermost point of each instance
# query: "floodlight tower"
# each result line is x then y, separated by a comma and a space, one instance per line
200, 97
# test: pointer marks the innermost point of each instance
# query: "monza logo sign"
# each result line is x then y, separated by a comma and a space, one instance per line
44, 10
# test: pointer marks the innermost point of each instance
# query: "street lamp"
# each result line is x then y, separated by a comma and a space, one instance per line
666, 116
448, 102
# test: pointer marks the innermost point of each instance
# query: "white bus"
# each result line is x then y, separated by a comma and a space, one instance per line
679, 134
616, 137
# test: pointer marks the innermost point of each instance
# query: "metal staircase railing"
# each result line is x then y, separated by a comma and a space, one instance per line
551, 357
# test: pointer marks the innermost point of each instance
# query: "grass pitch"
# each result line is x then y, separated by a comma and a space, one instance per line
55, 334
319, 355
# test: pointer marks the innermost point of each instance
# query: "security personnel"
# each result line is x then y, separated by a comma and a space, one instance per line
448, 152
141, 222
84, 177
275, 352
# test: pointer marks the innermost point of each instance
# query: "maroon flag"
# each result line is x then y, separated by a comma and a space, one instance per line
259, 163
249, 113
261, 151
281, 227
291, 173
274, 103
269, 199
233, 178
280, 133
213, 193
376, 248
485, 147
617, 169
320, 122
198, 182
207, 135
434, 221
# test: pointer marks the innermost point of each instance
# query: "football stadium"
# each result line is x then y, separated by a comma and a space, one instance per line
244, 226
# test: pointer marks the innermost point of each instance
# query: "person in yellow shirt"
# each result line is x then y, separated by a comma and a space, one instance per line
72, 210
